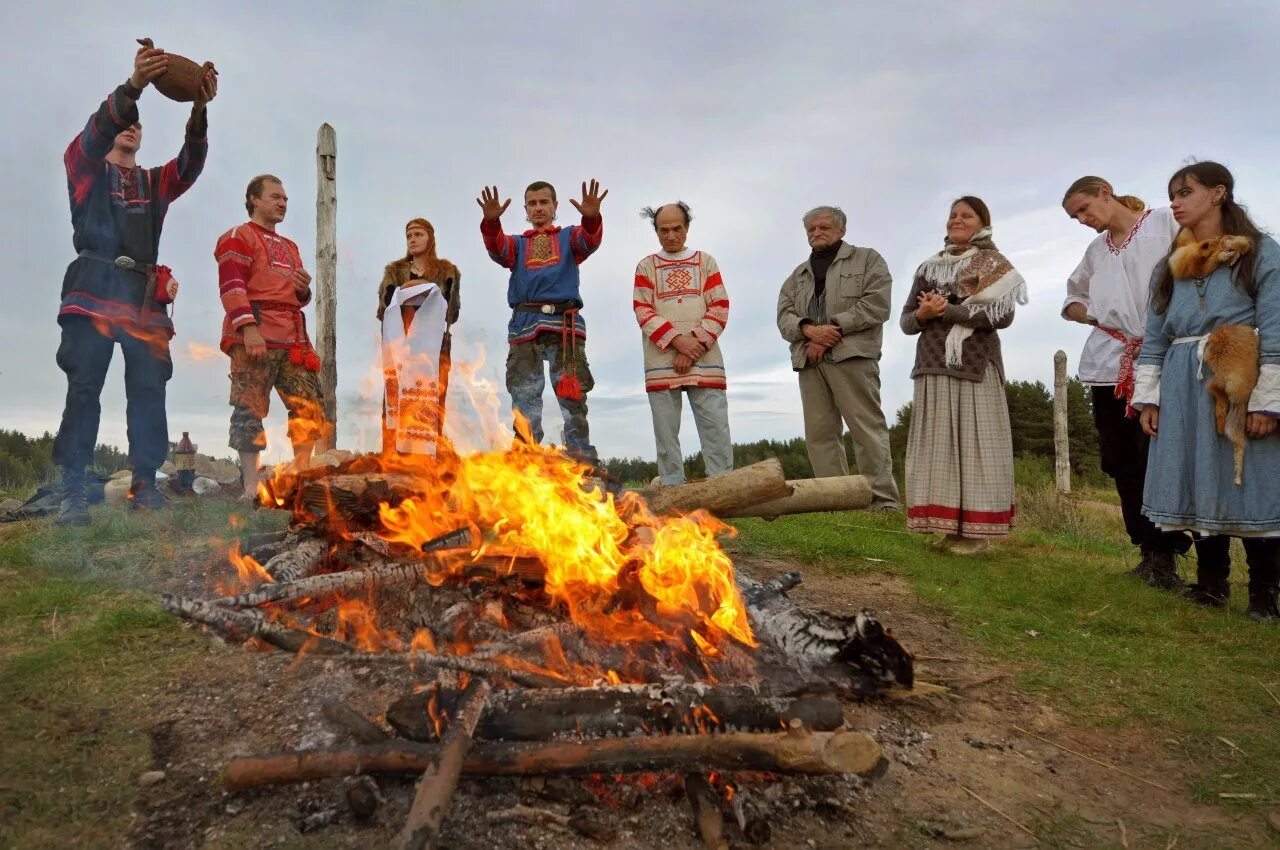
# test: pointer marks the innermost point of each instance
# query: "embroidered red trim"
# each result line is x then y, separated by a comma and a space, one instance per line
1137, 225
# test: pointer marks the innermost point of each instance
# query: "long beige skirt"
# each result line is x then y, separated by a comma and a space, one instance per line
960, 457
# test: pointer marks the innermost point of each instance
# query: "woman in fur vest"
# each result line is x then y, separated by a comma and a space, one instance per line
960, 448
1220, 284
421, 265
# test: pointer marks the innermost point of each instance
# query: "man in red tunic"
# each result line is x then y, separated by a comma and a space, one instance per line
264, 287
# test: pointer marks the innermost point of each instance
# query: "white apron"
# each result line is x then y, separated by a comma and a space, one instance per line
411, 367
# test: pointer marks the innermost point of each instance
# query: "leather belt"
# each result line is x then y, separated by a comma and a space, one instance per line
123, 262
547, 309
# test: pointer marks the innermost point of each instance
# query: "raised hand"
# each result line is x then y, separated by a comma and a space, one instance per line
591, 198
208, 88
148, 63
488, 202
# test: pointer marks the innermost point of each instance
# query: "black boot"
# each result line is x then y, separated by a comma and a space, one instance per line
143, 493
74, 509
1164, 572
1263, 557
1143, 570
1213, 569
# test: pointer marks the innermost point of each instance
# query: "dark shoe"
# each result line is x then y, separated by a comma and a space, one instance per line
1164, 572
144, 495
1262, 605
1209, 593
74, 509
1143, 570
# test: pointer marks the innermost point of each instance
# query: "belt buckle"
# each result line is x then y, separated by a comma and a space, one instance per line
548, 309
124, 262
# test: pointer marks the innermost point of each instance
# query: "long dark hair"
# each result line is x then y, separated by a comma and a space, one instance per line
1235, 222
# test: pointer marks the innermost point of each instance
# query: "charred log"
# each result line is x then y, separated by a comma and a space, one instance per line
242, 625
545, 714
855, 651
298, 561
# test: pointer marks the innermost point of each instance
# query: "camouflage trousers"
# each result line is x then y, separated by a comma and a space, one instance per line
251, 385
526, 381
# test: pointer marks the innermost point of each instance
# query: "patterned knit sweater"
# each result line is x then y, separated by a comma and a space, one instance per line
680, 294
979, 350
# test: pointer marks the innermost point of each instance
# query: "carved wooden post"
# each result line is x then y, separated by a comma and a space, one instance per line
1061, 438
327, 275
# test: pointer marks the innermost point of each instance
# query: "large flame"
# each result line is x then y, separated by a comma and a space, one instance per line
621, 573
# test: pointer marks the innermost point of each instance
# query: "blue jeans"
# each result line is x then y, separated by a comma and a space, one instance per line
84, 355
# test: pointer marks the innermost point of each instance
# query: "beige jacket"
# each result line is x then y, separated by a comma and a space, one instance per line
858, 295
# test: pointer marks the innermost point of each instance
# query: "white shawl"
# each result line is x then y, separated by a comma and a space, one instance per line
1000, 286
411, 367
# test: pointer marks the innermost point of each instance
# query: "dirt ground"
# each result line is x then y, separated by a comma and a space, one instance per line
956, 757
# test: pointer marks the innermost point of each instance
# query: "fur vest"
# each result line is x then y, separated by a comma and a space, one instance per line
449, 279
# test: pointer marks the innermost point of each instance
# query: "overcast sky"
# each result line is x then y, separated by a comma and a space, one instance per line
750, 112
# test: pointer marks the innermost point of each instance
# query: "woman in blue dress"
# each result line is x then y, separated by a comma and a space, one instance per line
1221, 270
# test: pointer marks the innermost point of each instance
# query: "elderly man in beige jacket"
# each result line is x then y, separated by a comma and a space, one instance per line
831, 310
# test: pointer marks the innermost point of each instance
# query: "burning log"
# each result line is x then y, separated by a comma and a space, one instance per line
794, 751
242, 625
813, 495
705, 803
527, 676
435, 790
750, 485
388, 574
618, 710
855, 651
298, 561
353, 495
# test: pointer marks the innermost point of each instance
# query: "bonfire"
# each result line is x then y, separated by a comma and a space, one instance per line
555, 623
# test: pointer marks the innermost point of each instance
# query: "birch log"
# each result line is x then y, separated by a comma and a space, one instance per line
327, 275
811, 495
750, 485
1061, 437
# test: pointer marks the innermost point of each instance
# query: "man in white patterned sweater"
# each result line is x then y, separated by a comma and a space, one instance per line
682, 308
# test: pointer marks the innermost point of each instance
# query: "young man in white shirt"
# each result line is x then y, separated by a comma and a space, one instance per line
1108, 291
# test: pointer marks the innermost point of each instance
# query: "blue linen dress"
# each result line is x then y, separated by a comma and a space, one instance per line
1190, 465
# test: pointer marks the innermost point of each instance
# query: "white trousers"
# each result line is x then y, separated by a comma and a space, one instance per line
710, 414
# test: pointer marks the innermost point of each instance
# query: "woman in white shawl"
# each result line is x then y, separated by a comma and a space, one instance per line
418, 301
960, 449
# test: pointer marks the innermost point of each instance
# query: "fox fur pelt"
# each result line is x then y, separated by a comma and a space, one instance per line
1232, 352
1194, 257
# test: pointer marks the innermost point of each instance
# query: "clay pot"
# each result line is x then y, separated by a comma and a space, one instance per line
181, 82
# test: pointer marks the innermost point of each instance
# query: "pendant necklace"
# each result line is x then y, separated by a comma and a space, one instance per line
1201, 284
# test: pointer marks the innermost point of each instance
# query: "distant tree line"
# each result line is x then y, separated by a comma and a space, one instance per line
27, 462
1030, 418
